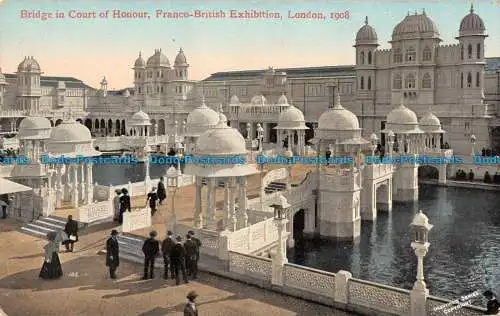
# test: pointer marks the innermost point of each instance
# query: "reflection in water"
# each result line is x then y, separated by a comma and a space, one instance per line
464, 255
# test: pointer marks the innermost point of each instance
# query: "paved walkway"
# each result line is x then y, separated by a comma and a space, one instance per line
86, 289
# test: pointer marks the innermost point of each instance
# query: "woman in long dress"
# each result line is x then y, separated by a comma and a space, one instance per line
51, 268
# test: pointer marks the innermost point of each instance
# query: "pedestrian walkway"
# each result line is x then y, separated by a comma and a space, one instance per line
86, 288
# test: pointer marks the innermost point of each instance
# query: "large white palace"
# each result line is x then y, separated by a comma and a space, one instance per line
456, 82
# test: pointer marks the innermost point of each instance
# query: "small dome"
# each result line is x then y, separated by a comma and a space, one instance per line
430, 123
418, 25
70, 132
402, 116
338, 119
234, 100
201, 119
29, 64
366, 34
158, 60
283, 100
221, 140
180, 59
34, 127
139, 62
258, 100
126, 93
291, 118
471, 24
140, 119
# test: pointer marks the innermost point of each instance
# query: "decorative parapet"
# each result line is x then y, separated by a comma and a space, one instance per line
438, 307
308, 279
249, 265
95, 211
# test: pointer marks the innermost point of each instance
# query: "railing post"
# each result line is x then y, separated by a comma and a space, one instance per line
418, 302
342, 287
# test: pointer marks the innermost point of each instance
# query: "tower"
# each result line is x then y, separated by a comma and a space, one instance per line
366, 46
471, 39
104, 87
181, 73
139, 74
29, 91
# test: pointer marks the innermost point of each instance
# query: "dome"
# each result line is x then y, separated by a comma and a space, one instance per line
201, 119
139, 62
283, 100
29, 64
180, 59
140, 119
70, 132
258, 100
221, 140
402, 116
338, 118
291, 118
417, 25
34, 127
126, 93
471, 24
158, 59
366, 34
430, 123
234, 100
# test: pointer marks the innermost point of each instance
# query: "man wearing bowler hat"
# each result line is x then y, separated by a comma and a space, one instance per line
191, 309
112, 253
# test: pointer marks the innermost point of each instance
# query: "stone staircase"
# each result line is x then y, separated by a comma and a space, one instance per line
40, 227
274, 187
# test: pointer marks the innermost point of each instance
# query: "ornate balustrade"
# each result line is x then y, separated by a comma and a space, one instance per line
436, 306
253, 237
136, 219
377, 171
308, 279
249, 265
96, 211
375, 296
209, 239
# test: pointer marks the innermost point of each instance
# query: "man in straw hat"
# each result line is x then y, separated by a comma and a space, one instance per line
112, 253
191, 309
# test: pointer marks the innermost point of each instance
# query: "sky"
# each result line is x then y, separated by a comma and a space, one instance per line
89, 49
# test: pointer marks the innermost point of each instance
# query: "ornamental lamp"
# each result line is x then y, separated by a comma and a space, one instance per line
421, 227
473, 138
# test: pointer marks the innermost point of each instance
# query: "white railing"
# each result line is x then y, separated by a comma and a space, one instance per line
253, 237
95, 211
209, 239
137, 219
245, 264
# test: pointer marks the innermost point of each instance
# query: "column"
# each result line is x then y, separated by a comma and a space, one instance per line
67, 184
198, 216
90, 190
74, 196
279, 141
83, 192
227, 212
242, 199
59, 187
232, 209
210, 203
290, 141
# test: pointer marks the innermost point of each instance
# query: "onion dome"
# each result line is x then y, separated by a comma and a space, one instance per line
402, 120
430, 123
35, 127
201, 119
415, 26
366, 35
158, 59
472, 24
221, 140
139, 62
291, 119
338, 118
140, 119
29, 64
180, 59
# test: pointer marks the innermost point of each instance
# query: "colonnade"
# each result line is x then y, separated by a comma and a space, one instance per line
297, 149
234, 187
77, 187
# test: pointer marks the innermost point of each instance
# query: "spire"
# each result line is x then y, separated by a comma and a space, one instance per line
471, 8
423, 11
140, 54
366, 20
337, 98
203, 101
181, 51
402, 101
408, 13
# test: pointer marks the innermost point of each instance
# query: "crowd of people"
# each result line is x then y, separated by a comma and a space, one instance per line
487, 152
9, 152
461, 175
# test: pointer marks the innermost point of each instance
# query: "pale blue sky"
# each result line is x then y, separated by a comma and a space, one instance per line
93, 48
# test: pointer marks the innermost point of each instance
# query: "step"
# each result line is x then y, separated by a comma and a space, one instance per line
37, 227
32, 232
55, 220
48, 224
131, 239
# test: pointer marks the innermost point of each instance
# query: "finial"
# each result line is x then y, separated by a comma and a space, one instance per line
401, 100
140, 54
337, 98
366, 20
203, 100
180, 50
423, 11
471, 8
140, 106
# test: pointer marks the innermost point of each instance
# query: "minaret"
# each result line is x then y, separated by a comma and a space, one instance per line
104, 87
29, 90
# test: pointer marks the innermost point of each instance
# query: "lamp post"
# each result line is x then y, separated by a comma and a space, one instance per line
172, 183
180, 155
249, 127
288, 154
260, 136
279, 256
373, 142
473, 142
390, 142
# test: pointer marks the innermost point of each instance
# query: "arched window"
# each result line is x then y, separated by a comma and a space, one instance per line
469, 51
461, 51
362, 58
369, 83
426, 81
396, 56
469, 80
478, 80
462, 80
369, 58
410, 81
427, 54
362, 83
397, 82
410, 54
478, 51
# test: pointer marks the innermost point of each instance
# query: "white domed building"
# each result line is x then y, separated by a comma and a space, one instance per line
140, 124
198, 122
431, 126
291, 126
220, 155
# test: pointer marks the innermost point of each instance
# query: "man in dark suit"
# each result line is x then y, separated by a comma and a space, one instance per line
124, 205
198, 246
151, 249
112, 254
178, 260
191, 255
166, 249
71, 229
162, 194
191, 309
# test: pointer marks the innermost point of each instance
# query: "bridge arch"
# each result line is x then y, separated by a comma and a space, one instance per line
59, 121
429, 172
88, 124
298, 225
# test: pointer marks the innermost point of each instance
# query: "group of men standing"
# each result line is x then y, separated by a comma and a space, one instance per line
178, 257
